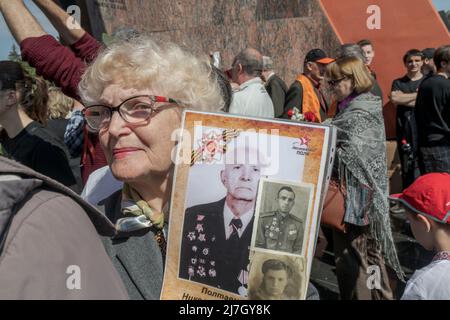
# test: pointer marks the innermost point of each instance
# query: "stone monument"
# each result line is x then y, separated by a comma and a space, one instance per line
282, 29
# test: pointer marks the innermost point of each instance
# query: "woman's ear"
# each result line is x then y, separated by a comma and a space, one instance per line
424, 221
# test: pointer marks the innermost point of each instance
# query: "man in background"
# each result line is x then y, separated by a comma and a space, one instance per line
251, 99
367, 50
275, 86
305, 93
432, 113
428, 67
403, 95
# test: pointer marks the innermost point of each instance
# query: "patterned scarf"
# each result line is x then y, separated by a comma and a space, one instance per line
139, 215
362, 168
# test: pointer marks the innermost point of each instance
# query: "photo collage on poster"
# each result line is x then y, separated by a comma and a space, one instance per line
245, 214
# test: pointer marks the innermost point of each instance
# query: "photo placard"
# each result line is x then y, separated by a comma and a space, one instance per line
232, 174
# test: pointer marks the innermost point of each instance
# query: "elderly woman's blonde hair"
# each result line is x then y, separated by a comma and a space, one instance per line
165, 68
352, 68
59, 105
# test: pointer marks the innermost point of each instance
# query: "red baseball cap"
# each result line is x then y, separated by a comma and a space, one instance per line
429, 195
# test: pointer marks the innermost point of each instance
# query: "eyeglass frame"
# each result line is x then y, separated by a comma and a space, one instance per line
154, 98
333, 83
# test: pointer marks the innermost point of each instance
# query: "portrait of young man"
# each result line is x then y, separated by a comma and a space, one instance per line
281, 222
276, 277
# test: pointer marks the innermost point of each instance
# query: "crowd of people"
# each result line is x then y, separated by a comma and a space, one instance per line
63, 128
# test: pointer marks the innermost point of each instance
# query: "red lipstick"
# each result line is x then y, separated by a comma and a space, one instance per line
120, 153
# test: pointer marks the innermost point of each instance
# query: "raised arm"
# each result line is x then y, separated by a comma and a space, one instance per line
20, 21
83, 45
52, 60
59, 19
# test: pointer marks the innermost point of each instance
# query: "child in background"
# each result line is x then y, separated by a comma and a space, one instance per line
427, 205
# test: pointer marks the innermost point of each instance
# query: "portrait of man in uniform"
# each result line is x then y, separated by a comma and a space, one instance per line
217, 235
282, 227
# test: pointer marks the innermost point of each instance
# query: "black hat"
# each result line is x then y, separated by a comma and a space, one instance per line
428, 53
10, 73
318, 55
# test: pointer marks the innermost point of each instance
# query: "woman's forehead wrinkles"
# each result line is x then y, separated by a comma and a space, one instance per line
115, 94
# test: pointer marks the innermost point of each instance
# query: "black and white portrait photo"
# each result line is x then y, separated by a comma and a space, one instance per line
276, 277
281, 216
217, 234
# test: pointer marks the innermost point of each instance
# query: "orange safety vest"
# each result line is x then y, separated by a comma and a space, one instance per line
310, 100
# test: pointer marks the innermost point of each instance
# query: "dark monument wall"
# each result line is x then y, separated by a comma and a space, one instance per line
283, 29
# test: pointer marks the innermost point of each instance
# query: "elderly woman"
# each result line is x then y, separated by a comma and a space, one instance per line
135, 92
360, 170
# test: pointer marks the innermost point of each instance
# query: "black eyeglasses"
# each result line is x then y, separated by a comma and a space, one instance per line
134, 110
333, 83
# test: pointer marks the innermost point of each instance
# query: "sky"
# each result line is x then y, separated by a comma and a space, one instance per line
6, 39
442, 4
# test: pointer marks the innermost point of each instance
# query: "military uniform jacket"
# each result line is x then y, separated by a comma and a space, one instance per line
206, 256
280, 232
